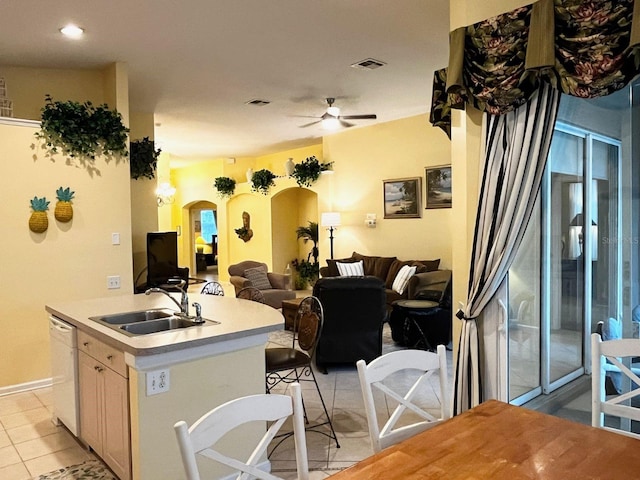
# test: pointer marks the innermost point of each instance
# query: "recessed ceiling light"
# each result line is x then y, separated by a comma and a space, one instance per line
72, 31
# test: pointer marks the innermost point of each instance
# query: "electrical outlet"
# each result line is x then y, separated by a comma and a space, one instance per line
115, 239
113, 281
157, 382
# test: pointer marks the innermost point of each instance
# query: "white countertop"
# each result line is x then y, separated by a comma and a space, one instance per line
238, 319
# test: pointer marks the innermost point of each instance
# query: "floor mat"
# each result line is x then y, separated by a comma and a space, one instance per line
91, 469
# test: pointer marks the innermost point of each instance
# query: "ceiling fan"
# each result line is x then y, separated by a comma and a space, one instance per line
332, 118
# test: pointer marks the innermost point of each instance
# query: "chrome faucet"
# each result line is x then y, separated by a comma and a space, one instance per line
198, 318
183, 305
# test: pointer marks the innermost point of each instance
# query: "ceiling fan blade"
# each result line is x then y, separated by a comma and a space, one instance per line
359, 117
309, 124
345, 124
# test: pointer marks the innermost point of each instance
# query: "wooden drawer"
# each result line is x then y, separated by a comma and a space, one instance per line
108, 355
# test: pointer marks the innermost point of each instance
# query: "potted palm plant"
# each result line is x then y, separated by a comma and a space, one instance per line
310, 233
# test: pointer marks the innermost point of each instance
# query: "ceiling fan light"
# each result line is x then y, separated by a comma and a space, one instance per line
335, 111
330, 123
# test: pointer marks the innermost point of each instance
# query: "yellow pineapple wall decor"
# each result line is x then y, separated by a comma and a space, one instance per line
64, 210
38, 222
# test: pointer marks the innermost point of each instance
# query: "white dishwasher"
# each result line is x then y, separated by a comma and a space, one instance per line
64, 369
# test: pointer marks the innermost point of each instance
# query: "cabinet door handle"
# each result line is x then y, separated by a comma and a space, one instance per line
86, 344
98, 368
109, 357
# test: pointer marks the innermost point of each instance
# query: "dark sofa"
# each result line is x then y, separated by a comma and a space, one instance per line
386, 269
354, 312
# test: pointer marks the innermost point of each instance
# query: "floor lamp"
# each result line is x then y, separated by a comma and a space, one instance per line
330, 220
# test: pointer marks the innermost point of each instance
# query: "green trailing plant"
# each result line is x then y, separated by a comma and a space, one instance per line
262, 181
225, 186
308, 171
143, 159
81, 130
306, 271
243, 233
310, 233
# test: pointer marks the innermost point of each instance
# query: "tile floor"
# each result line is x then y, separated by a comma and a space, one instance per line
30, 444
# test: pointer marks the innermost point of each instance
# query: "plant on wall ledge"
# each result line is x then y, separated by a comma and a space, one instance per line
262, 181
143, 159
81, 130
225, 186
308, 171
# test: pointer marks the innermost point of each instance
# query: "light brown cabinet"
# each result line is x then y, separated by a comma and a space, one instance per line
104, 403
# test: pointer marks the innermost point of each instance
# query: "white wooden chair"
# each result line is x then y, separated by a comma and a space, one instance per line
372, 375
202, 436
607, 356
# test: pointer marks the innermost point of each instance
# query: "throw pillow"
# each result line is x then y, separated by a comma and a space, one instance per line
400, 283
376, 266
354, 269
258, 278
333, 267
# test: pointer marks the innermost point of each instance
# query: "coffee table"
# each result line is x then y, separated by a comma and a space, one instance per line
289, 310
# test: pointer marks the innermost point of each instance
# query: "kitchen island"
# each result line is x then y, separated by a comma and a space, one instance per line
207, 365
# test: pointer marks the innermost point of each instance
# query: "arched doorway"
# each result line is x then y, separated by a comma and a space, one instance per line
202, 239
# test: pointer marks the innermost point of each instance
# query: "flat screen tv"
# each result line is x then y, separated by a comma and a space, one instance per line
162, 257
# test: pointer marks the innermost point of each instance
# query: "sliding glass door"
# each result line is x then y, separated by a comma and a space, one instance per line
565, 278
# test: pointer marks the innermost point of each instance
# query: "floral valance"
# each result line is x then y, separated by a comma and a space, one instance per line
584, 48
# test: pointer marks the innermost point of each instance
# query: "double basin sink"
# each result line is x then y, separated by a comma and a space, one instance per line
144, 322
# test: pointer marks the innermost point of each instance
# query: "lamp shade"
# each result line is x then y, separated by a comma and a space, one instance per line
201, 241
330, 219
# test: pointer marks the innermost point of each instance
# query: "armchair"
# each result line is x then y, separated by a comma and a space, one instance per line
354, 312
273, 287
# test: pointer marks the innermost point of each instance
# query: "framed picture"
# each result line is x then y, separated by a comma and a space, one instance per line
402, 197
198, 226
438, 181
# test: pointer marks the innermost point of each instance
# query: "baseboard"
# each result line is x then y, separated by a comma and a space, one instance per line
25, 387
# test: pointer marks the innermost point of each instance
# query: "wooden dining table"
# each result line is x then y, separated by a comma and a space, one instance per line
498, 441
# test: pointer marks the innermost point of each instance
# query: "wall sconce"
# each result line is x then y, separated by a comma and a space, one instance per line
200, 243
370, 220
330, 220
165, 194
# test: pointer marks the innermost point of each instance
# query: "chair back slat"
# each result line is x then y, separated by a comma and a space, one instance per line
201, 438
373, 375
614, 357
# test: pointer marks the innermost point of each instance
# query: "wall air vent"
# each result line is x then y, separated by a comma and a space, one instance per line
257, 102
369, 64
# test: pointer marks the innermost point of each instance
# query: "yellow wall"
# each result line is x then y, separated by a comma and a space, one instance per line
365, 157
27, 87
362, 158
68, 261
144, 211
466, 12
